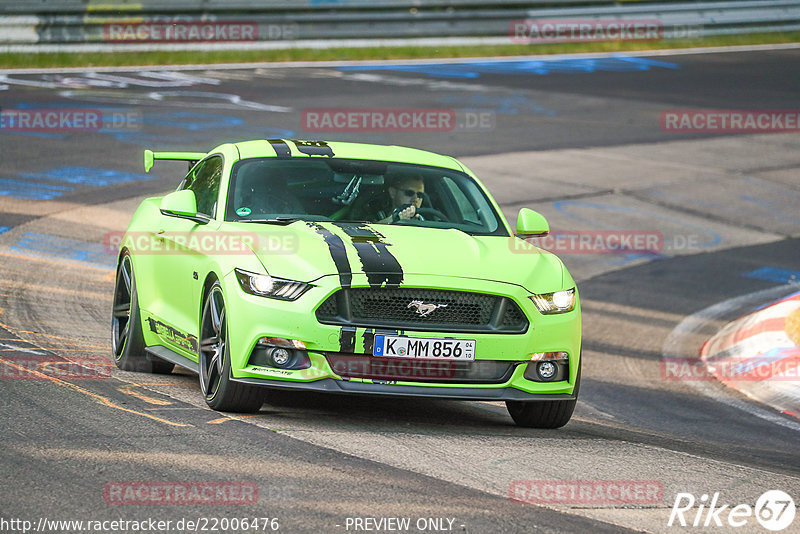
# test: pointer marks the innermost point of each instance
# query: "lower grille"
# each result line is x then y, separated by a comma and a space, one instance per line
416, 370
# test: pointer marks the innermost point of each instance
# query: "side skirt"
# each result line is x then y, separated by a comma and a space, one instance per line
173, 357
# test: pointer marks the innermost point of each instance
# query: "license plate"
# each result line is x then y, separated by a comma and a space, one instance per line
425, 348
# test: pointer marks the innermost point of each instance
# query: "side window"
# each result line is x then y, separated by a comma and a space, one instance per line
468, 211
204, 180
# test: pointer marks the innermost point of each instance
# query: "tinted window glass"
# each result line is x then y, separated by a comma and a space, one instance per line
204, 180
342, 190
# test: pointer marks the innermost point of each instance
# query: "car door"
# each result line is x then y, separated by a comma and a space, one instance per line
185, 246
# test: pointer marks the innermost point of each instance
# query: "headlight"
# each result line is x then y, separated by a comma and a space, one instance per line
264, 285
557, 302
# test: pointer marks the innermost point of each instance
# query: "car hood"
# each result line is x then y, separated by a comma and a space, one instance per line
306, 251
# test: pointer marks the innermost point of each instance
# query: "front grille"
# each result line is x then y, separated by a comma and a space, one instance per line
416, 370
456, 311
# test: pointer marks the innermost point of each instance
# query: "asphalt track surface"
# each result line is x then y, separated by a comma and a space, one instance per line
578, 141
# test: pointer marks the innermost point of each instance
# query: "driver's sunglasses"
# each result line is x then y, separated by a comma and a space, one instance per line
412, 193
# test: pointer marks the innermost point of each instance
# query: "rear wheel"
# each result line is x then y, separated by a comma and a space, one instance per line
127, 339
544, 414
220, 392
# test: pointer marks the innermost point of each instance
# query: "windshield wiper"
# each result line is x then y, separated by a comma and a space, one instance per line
275, 220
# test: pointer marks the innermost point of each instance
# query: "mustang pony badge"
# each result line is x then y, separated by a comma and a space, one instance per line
422, 309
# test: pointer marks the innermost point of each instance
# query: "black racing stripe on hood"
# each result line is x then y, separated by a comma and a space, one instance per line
368, 337
280, 147
347, 339
380, 265
338, 253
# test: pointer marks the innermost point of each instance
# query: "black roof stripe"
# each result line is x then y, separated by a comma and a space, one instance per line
281, 148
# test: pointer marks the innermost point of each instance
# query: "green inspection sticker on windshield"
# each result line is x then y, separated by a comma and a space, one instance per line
243, 212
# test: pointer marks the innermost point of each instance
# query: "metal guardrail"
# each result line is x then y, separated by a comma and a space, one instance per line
289, 21
27, 7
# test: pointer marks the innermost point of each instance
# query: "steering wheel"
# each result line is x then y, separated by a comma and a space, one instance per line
424, 214
432, 214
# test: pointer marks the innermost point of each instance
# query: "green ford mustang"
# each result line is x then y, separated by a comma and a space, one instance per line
345, 268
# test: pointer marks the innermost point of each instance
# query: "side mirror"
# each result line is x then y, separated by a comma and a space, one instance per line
533, 223
182, 204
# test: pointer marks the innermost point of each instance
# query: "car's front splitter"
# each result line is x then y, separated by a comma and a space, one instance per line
371, 387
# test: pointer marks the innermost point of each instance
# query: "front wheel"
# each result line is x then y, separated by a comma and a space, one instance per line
544, 414
220, 392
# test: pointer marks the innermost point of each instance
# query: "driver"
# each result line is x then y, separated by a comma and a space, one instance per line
406, 198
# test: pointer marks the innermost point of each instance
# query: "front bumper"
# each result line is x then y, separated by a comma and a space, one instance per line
251, 318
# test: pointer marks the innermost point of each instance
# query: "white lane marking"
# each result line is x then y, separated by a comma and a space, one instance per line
176, 99
152, 79
432, 61
398, 81
155, 79
7, 346
674, 347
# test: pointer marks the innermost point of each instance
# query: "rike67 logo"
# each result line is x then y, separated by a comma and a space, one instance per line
774, 510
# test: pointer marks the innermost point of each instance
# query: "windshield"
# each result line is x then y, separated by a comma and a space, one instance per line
340, 190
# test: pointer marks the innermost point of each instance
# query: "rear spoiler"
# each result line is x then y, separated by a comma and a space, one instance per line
191, 157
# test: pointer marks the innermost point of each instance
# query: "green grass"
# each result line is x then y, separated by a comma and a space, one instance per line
116, 59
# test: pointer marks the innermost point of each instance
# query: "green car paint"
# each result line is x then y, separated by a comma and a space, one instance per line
175, 270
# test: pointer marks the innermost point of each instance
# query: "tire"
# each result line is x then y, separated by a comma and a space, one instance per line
127, 339
545, 414
220, 392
